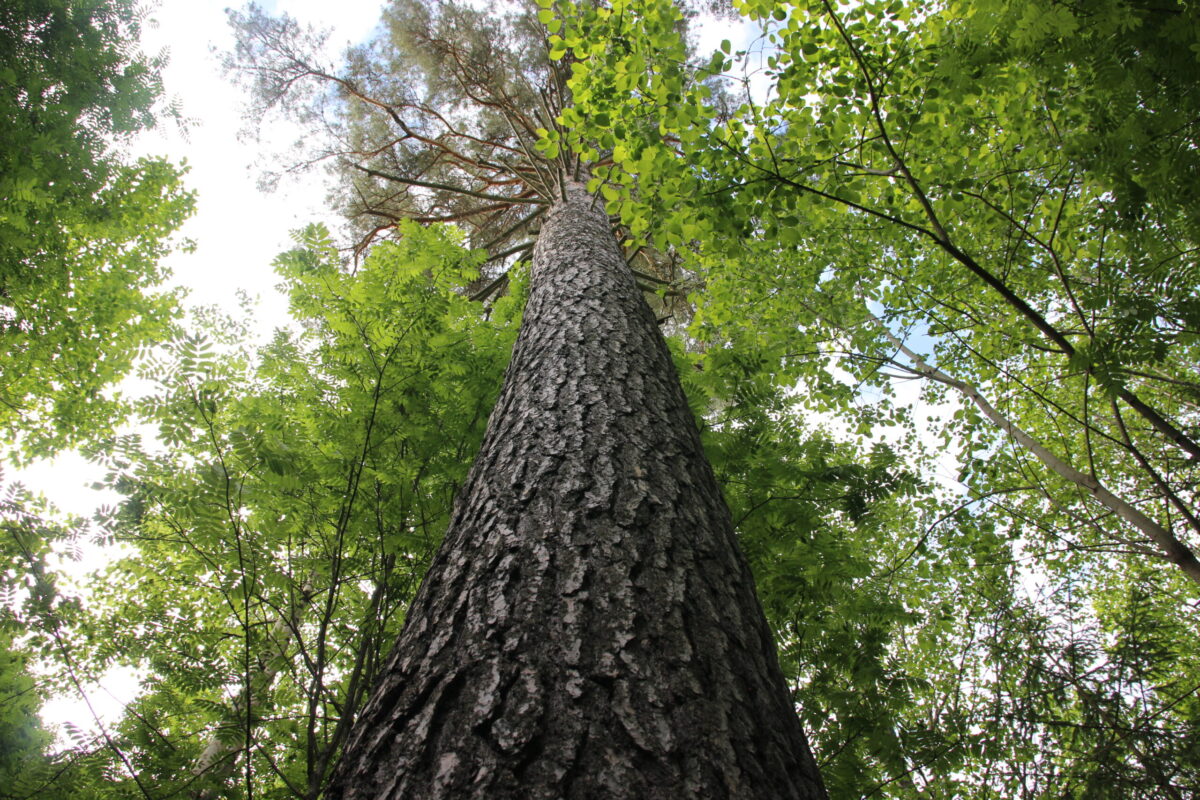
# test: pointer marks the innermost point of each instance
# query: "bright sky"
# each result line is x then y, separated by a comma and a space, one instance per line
238, 229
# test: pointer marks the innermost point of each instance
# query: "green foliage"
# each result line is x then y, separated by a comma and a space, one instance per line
37, 656
22, 738
990, 198
956, 168
991, 194
279, 538
826, 525
82, 230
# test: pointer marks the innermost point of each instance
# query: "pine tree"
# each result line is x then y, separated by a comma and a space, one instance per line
589, 627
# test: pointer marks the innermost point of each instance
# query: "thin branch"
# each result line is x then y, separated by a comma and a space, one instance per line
445, 187
1172, 548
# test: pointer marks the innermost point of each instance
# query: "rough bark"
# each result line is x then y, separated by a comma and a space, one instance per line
589, 628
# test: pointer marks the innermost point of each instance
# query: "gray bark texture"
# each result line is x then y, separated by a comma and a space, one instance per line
589, 628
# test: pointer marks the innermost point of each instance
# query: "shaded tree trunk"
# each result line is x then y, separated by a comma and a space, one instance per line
589, 628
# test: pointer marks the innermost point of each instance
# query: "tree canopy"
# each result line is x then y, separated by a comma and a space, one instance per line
83, 229
973, 195
987, 203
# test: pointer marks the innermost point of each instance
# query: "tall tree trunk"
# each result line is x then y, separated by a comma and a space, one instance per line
589, 628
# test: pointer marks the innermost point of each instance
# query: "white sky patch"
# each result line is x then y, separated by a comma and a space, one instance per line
238, 230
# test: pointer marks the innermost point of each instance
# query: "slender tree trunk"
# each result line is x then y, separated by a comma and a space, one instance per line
589, 628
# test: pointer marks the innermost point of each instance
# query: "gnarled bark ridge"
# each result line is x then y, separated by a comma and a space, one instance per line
589, 628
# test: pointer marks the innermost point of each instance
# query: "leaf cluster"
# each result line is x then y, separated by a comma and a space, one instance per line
82, 229
277, 541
